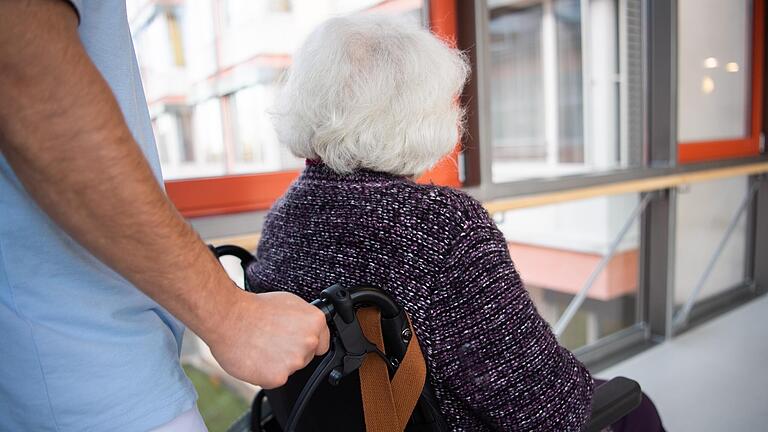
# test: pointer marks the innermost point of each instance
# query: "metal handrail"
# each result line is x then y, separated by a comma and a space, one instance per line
250, 240
623, 187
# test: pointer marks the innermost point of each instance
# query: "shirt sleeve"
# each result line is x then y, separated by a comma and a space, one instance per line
496, 353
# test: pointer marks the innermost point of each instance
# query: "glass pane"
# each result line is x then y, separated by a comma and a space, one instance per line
211, 69
256, 146
700, 227
556, 248
555, 106
516, 77
713, 69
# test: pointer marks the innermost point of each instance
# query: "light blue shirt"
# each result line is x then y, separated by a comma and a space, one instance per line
81, 349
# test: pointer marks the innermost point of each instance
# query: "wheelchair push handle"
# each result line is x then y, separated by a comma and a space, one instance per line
349, 346
327, 309
332, 297
336, 299
245, 257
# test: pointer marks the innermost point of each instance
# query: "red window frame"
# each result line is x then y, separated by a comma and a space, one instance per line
240, 193
701, 151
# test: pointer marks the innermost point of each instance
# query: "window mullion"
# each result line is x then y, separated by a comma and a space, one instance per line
549, 66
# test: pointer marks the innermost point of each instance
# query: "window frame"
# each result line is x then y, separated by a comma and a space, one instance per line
660, 164
229, 194
709, 150
477, 157
659, 158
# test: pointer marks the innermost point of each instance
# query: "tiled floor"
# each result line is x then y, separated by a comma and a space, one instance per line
713, 378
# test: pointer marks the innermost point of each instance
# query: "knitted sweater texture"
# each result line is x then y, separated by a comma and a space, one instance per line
494, 362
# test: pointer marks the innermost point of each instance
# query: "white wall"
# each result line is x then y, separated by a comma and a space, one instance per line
581, 226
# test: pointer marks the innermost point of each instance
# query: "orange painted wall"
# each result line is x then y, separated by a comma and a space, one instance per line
566, 271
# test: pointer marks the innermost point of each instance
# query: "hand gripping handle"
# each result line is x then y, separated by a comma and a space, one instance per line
349, 345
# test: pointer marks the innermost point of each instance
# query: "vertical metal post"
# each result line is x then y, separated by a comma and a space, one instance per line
658, 226
661, 81
759, 273
760, 253
751, 243
658, 264
483, 52
467, 35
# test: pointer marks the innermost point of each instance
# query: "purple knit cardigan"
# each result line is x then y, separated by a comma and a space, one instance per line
494, 362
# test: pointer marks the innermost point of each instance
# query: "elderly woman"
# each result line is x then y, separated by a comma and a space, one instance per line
370, 102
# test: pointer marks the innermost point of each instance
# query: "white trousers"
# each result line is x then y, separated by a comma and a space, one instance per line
188, 421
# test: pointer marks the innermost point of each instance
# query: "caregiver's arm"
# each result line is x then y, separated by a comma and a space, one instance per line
64, 135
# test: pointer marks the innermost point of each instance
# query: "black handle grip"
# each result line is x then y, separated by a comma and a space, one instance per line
362, 296
612, 401
325, 307
246, 258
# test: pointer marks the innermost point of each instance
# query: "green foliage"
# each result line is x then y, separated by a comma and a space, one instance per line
219, 405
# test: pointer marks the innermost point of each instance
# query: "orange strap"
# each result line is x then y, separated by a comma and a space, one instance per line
388, 405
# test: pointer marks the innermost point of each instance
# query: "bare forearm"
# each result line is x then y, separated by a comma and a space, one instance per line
65, 138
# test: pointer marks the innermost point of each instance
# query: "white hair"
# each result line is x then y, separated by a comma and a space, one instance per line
373, 92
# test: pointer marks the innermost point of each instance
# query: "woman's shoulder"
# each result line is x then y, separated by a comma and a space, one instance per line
453, 204
439, 211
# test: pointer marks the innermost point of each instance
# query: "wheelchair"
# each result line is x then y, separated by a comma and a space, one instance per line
326, 394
